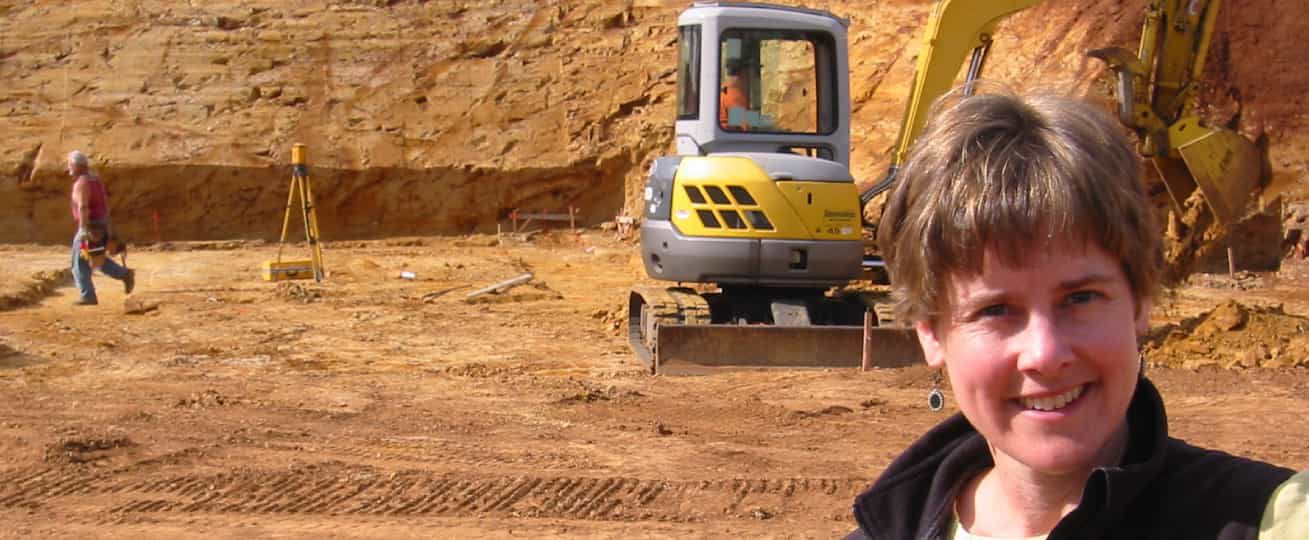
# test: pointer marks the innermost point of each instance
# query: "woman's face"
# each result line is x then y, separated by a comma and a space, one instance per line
1042, 358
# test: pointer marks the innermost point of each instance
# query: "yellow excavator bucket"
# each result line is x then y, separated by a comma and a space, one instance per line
1225, 166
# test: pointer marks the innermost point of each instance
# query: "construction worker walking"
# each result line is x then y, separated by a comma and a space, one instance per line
90, 206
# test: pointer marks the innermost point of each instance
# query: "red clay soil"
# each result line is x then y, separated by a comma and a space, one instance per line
372, 406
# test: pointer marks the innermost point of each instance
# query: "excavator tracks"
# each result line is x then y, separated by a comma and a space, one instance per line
650, 307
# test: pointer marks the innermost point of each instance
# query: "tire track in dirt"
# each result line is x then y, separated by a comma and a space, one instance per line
367, 492
396, 450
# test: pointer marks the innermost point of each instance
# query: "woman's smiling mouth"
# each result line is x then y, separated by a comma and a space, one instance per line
1052, 403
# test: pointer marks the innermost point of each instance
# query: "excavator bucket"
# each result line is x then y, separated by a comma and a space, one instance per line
1225, 166
691, 349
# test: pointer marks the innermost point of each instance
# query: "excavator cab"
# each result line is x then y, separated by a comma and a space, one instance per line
764, 79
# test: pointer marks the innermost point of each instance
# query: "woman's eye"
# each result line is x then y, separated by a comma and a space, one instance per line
1082, 297
997, 310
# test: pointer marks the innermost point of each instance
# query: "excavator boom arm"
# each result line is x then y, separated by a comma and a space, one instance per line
1157, 90
955, 29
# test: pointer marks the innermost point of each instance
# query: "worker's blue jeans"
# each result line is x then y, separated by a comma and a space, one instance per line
82, 271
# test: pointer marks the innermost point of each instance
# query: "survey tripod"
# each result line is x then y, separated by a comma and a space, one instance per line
281, 270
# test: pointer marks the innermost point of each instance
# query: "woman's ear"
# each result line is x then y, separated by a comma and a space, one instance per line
933, 351
1143, 317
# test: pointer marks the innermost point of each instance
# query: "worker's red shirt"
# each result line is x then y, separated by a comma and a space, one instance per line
97, 198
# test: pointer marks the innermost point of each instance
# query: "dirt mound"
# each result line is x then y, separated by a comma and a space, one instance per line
26, 292
1232, 336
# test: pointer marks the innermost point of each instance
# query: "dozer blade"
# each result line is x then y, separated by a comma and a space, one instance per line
1224, 165
702, 349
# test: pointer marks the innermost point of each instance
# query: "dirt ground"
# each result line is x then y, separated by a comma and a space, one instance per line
371, 406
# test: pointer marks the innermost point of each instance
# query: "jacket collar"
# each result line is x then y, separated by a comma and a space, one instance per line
913, 498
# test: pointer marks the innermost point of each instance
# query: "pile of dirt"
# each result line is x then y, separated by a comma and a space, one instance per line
25, 292
1232, 336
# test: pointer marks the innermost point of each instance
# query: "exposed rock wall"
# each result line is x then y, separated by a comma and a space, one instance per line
440, 117
420, 117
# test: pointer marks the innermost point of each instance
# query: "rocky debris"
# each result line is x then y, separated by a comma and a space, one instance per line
140, 305
1243, 281
612, 321
1295, 227
591, 393
203, 400
479, 370
294, 291
1232, 336
76, 450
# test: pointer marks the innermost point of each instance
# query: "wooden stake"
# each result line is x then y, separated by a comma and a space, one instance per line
866, 361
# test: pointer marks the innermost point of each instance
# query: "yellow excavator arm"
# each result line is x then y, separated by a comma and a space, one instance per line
955, 30
1157, 88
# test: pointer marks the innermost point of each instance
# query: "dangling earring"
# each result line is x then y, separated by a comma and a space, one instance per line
935, 398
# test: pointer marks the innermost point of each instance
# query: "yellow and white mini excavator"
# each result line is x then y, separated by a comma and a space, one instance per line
1157, 90
759, 205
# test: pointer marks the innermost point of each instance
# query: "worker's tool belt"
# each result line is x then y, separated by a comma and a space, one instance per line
98, 242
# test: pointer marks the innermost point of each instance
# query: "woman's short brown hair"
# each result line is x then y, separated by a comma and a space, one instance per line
1012, 174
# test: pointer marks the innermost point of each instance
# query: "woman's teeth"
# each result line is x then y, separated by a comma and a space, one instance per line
1053, 402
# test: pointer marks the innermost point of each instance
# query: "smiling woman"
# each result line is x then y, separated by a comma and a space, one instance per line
1020, 243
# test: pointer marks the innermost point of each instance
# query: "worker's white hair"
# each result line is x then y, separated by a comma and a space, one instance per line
78, 158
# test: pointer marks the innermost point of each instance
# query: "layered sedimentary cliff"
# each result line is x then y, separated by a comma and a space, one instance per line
440, 117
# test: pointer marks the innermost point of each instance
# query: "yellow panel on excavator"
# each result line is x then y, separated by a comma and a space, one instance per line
1224, 165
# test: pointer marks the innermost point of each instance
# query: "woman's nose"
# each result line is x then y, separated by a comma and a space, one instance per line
1041, 345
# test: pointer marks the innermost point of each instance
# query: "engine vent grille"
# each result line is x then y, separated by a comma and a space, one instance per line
717, 210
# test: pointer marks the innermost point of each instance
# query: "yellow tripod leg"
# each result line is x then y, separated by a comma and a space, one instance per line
286, 219
311, 229
304, 212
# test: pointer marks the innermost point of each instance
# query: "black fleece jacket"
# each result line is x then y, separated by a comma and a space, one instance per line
1165, 488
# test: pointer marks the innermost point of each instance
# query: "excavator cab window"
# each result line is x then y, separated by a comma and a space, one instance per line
688, 73
776, 81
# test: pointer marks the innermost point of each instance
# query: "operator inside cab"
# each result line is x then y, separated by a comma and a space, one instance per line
734, 94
